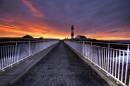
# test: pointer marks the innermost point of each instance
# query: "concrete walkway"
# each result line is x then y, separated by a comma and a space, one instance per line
61, 67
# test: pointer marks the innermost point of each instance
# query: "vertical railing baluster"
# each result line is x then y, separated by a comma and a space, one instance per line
16, 54
126, 68
113, 61
129, 80
122, 71
104, 62
12, 55
8, 58
29, 48
108, 57
96, 55
83, 48
119, 62
0, 58
110, 61
116, 64
91, 52
6, 61
8, 55
100, 56
105, 58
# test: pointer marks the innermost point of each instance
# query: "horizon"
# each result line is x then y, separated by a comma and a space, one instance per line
57, 38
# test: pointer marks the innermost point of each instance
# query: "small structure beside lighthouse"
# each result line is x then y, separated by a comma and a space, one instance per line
72, 32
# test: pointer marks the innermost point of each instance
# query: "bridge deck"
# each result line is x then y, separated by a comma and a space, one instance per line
61, 67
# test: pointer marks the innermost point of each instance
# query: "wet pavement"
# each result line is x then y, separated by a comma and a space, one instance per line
61, 67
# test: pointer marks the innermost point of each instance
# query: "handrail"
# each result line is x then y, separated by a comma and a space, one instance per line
106, 47
25, 41
12, 54
114, 62
105, 43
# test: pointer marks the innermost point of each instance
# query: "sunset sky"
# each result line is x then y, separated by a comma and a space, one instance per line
100, 19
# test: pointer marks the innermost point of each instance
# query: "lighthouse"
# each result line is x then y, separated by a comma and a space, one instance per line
72, 32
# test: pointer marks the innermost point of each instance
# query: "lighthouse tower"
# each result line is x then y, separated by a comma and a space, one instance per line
72, 32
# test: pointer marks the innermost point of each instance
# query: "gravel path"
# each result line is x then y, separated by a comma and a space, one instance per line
61, 67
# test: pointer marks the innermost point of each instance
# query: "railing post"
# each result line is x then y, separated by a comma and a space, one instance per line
16, 57
1, 58
127, 75
108, 58
129, 81
18, 47
91, 54
83, 49
29, 46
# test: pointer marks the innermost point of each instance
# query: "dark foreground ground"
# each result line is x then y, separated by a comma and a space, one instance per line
61, 67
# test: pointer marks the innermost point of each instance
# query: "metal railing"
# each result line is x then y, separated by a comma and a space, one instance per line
114, 62
16, 51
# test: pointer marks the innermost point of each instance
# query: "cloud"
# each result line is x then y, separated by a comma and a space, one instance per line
94, 18
113, 35
33, 8
14, 27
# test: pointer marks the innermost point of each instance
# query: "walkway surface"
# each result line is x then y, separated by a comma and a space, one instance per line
61, 67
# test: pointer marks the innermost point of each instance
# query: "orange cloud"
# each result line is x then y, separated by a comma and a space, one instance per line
110, 36
32, 8
24, 27
16, 27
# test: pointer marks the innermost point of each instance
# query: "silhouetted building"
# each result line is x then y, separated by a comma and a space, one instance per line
41, 38
81, 37
72, 32
27, 37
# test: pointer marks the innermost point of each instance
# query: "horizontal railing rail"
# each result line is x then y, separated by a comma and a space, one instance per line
16, 51
123, 46
114, 62
1, 42
115, 43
